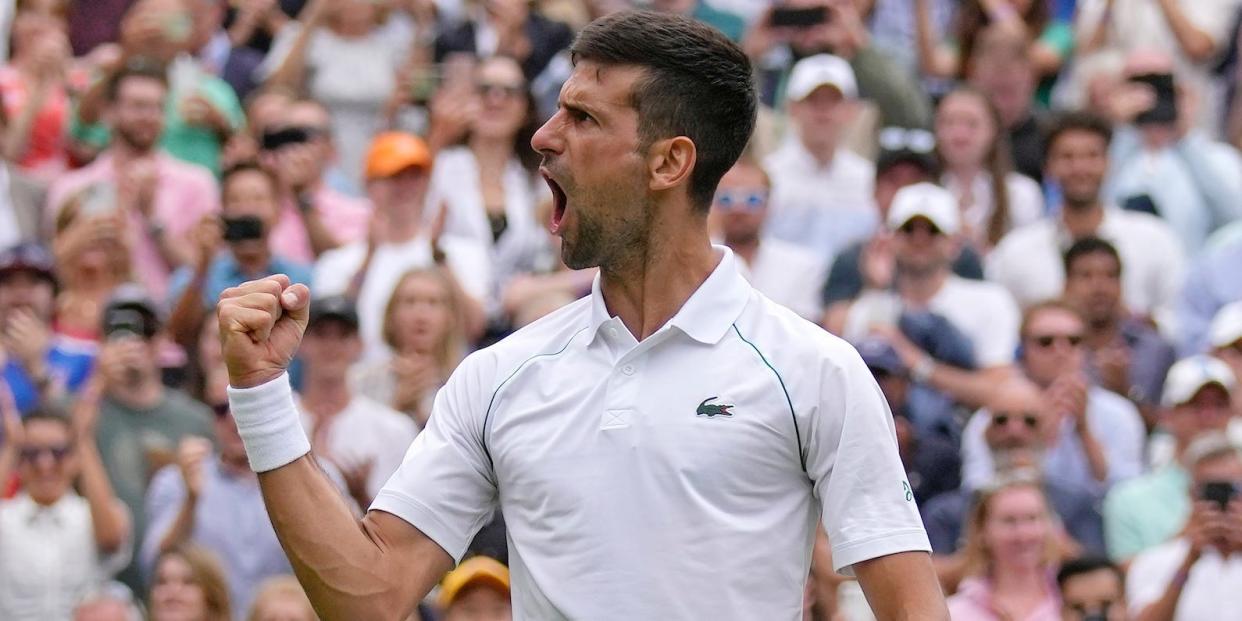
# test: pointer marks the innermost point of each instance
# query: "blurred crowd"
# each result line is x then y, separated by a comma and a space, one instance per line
1026, 215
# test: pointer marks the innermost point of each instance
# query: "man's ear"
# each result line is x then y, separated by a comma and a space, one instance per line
670, 162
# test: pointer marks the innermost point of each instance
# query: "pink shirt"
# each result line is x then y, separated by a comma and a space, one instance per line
973, 602
347, 218
184, 193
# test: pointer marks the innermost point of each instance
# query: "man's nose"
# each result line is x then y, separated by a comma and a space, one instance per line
547, 139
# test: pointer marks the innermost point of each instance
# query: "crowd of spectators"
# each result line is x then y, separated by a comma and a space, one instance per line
1026, 215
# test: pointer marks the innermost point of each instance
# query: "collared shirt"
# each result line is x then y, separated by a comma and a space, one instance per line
1211, 590
680, 477
1212, 282
344, 216
229, 520
821, 208
974, 602
1146, 511
48, 557
1029, 263
1026, 202
184, 193
1115, 423
789, 274
466, 258
225, 272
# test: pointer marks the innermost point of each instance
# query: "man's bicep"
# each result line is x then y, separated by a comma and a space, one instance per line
410, 554
902, 586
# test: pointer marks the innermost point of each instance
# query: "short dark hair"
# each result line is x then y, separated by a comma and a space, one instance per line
1077, 121
1088, 246
1084, 565
245, 166
698, 84
50, 413
135, 68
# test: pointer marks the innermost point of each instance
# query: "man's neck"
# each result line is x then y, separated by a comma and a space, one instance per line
123, 152
491, 151
1082, 220
918, 289
656, 282
143, 394
1103, 332
325, 396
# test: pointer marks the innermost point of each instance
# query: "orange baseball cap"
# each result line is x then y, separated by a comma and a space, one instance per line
477, 570
392, 152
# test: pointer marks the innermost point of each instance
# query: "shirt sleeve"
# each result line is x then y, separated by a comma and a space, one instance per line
1149, 576
445, 487
868, 505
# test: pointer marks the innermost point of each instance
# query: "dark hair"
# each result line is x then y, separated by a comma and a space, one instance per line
1085, 565
1077, 121
135, 68
50, 413
1089, 246
972, 20
697, 84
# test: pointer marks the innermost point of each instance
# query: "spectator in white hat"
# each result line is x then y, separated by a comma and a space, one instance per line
924, 220
1225, 337
1149, 509
821, 193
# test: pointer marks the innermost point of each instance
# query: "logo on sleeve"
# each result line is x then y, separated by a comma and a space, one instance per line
712, 410
909, 492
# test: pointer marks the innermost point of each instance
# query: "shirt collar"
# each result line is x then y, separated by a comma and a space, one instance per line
31, 511
709, 312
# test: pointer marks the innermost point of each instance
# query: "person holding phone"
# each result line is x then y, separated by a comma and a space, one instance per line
1163, 163
250, 211
1196, 574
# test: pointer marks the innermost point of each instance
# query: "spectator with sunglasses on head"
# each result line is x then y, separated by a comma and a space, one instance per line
1016, 436
210, 498
56, 545
779, 269
1148, 510
1095, 438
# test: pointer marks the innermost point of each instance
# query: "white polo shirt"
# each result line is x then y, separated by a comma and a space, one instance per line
676, 478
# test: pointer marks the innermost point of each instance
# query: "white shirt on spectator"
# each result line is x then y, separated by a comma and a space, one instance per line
467, 260
982, 311
1028, 261
366, 430
821, 208
1212, 587
1115, 423
685, 474
48, 557
1026, 201
788, 274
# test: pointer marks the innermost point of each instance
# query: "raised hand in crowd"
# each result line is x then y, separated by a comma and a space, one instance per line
26, 339
878, 262
136, 185
14, 433
206, 238
1113, 363
357, 474
416, 376
198, 111
191, 453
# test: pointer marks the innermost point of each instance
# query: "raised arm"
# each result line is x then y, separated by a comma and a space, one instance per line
376, 568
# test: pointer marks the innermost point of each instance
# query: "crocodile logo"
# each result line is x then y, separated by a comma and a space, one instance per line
712, 410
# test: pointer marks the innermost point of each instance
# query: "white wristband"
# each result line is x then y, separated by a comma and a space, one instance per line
269, 424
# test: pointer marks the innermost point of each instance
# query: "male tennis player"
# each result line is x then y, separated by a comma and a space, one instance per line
661, 449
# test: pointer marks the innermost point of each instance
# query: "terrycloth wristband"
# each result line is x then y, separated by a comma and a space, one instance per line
269, 424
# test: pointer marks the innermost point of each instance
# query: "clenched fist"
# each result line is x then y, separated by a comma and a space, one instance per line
261, 326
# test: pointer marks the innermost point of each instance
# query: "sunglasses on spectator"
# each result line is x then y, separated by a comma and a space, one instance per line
1048, 340
221, 409
32, 454
1030, 420
916, 224
742, 200
497, 88
902, 139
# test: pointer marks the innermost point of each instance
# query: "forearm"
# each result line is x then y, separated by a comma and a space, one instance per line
1164, 608
970, 388
321, 239
107, 519
933, 59
1096, 458
340, 562
292, 68
1195, 43
187, 315
902, 587
17, 137
8, 461
360, 277
182, 526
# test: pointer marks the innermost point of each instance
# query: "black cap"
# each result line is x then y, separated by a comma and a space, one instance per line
27, 257
129, 308
900, 145
334, 307
926, 162
879, 355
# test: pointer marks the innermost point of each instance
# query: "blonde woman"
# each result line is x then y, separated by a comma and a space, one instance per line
1011, 553
189, 585
281, 599
423, 327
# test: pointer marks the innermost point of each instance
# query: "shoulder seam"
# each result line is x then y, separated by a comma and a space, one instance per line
793, 416
492, 401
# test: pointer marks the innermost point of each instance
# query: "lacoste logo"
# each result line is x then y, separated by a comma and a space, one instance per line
712, 410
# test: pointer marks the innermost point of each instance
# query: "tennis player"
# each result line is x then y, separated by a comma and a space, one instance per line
661, 449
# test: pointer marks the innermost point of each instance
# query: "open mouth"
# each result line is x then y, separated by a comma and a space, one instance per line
558, 202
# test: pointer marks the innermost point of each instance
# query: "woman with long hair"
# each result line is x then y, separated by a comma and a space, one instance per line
92, 258
978, 170
487, 184
1011, 553
422, 325
189, 585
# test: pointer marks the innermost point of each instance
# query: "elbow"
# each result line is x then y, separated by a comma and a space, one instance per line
110, 541
1200, 49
